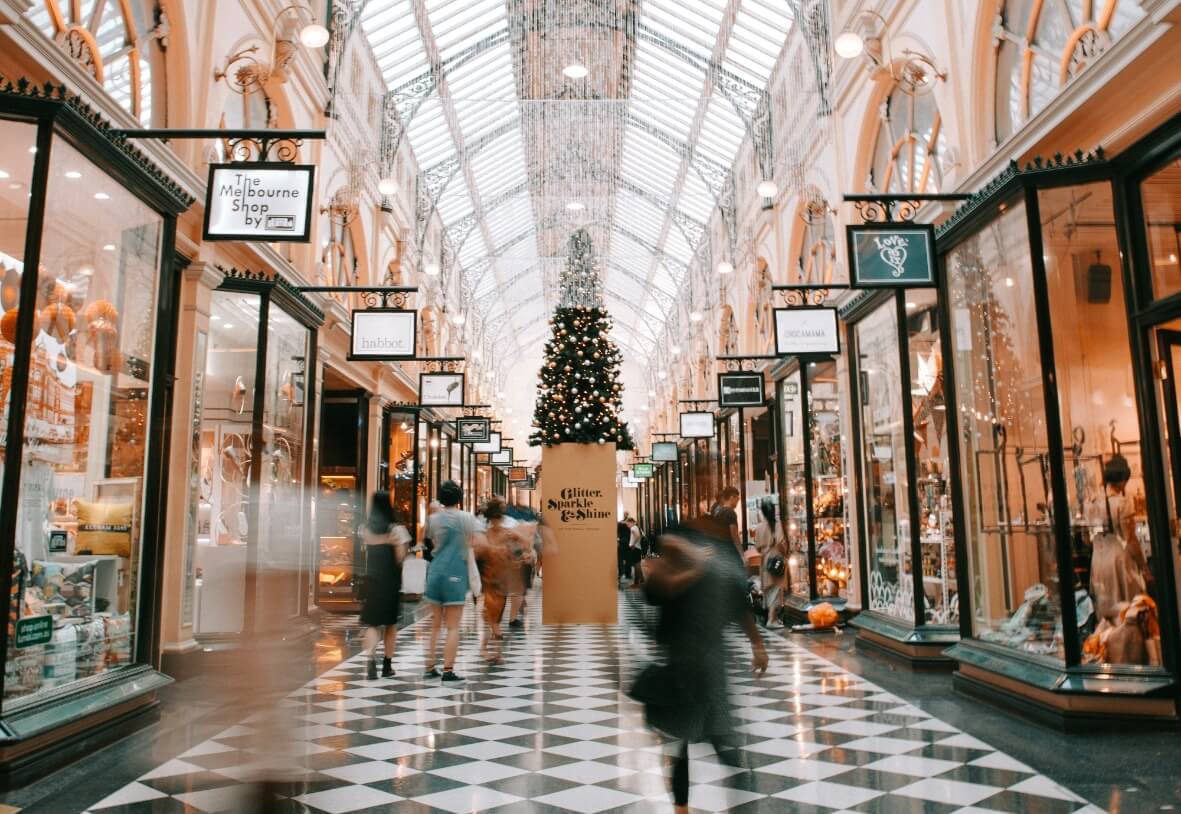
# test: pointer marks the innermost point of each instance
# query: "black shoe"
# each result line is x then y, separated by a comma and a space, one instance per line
387, 670
431, 673
517, 623
450, 676
372, 670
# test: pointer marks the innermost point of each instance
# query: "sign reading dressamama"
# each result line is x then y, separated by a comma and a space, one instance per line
265, 201
578, 501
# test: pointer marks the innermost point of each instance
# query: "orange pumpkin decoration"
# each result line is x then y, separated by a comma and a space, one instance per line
58, 320
10, 290
8, 324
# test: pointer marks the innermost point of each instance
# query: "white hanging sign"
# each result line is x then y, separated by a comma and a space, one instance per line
259, 201
803, 331
440, 389
384, 334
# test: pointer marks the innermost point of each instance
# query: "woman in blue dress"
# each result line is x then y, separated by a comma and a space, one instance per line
451, 530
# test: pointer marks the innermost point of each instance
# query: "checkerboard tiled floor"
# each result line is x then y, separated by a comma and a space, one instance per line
551, 731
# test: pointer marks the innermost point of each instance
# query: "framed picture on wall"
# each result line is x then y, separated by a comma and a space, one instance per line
440, 389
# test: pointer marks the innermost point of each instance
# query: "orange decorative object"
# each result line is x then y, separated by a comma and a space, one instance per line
101, 311
10, 289
822, 615
8, 324
58, 320
55, 293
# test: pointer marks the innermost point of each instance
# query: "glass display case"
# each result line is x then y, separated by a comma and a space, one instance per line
910, 591
87, 241
341, 496
1063, 528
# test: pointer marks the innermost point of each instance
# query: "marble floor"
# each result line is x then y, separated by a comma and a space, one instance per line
551, 730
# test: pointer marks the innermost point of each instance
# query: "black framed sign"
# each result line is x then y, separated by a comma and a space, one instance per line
440, 389
491, 446
892, 255
473, 430
643, 470
262, 201
502, 458
664, 451
517, 474
384, 334
697, 424
741, 390
804, 331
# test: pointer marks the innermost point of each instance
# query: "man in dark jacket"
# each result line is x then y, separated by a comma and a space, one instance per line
623, 534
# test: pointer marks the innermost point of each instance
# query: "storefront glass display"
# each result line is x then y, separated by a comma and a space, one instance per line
341, 494
17, 173
227, 418
79, 531
1162, 218
928, 409
400, 464
795, 491
828, 480
760, 458
1005, 477
885, 480
1111, 545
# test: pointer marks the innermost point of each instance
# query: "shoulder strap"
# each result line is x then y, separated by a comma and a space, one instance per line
1107, 505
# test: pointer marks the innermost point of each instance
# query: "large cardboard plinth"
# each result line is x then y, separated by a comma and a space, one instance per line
578, 502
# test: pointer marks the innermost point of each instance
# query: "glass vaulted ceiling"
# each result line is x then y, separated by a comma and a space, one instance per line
529, 154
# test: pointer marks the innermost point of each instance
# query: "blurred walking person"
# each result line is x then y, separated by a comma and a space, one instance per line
699, 586
447, 578
503, 555
385, 547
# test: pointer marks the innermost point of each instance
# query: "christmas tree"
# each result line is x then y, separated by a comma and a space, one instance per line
579, 395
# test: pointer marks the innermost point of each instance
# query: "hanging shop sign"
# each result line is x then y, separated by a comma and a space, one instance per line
664, 452
474, 430
440, 389
264, 201
518, 474
628, 482
643, 471
491, 446
384, 334
892, 255
502, 458
804, 331
741, 390
698, 424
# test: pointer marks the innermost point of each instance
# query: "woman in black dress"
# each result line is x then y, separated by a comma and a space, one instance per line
385, 546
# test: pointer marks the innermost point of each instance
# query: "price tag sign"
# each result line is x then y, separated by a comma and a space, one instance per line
33, 630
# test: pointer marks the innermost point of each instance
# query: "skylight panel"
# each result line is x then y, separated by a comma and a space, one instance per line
472, 249
456, 200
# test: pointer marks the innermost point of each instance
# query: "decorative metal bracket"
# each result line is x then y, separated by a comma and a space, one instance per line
898, 208
797, 296
247, 145
389, 296
740, 364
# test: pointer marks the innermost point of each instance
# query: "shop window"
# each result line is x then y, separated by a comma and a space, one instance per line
928, 409
1161, 198
81, 504
341, 500
828, 480
400, 462
885, 480
1041, 45
1004, 449
759, 476
16, 176
910, 150
281, 505
227, 420
795, 492
1111, 546
118, 42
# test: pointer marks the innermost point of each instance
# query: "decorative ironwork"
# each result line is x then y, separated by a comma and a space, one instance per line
802, 297
262, 148
898, 208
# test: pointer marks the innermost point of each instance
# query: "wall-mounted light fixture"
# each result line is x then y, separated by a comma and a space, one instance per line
247, 70
868, 35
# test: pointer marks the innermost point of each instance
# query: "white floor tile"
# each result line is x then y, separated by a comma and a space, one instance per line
131, 793
954, 792
370, 771
824, 793
588, 799
348, 798
467, 799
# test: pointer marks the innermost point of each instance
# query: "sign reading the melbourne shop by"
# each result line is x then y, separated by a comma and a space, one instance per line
384, 334
740, 389
892, 254
264, 201
802, 331
33, 630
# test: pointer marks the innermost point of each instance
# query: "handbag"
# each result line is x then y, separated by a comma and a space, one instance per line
776, 565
